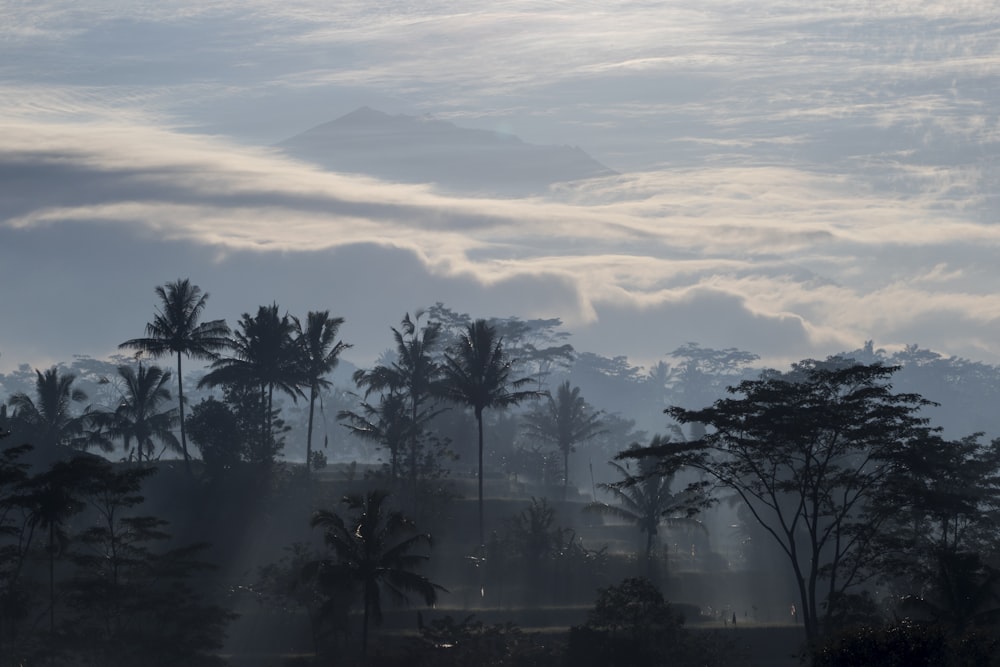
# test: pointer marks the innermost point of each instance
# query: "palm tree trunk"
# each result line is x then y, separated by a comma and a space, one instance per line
650, 537
482, 533
263, 418
180, 401
52, 580
364, 624
413, 450
309, 433
270, 414
565, 472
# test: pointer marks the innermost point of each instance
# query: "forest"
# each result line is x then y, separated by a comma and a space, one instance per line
486, 494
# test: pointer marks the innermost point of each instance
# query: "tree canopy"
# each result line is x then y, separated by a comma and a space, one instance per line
806, 452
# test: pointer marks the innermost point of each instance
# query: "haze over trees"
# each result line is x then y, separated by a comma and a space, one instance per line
828, 488
647, 498
565, 420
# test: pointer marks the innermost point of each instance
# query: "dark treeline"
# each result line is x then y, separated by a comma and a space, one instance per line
277, 501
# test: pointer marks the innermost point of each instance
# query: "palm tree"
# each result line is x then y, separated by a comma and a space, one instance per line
646, 500
175, 330
53, 497
372, 549
414, 372
387, 423
565, 421
320, 352
48, 420
478, 374
264, 356
137, 417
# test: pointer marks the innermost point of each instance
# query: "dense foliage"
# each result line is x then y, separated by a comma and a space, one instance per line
832, 485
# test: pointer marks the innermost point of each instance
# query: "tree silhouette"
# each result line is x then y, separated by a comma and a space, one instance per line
565, 420
320, 352
387, 423
216, 429
137, 419
374, 549
16, 535
477, 373
264, 357
48, 420
175, 329
942, 500
538, 345
53, 497
135, 604
806, 451
646, 500
414, 373
631, 625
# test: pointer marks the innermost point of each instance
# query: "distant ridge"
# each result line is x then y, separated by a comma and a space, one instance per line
409, 149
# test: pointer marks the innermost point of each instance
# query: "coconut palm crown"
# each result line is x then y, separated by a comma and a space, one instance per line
176, 329
478, 374
565, 420
374, 549
48, 419
320, 351
263, 356
138, 418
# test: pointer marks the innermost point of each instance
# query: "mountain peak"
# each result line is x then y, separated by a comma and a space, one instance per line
363, 115
413, 149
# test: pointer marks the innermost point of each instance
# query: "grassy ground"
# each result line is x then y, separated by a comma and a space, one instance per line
762, 644
754, 644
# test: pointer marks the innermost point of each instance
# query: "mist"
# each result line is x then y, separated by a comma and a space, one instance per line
673, 219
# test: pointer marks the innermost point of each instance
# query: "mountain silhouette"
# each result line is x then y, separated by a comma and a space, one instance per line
409, 149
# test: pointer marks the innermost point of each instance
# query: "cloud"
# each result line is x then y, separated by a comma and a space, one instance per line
811, 174
784, 260
713, 317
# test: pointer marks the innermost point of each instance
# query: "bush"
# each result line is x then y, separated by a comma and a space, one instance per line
631, 625
909, 644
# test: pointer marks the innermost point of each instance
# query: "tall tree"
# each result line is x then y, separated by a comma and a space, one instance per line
565, 421
53, 497
374, 548
943, 505
806, 452
134, 603
387, 423
414, 373
646, 499
702, 375
264, 357
138, 418
176, 329
320, 351
16, 535
477, 374
538, 345
48, 420
216, 430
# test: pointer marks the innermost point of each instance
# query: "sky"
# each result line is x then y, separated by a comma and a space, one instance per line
794, 177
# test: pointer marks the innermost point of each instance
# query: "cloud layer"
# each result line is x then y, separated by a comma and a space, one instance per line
798, 177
